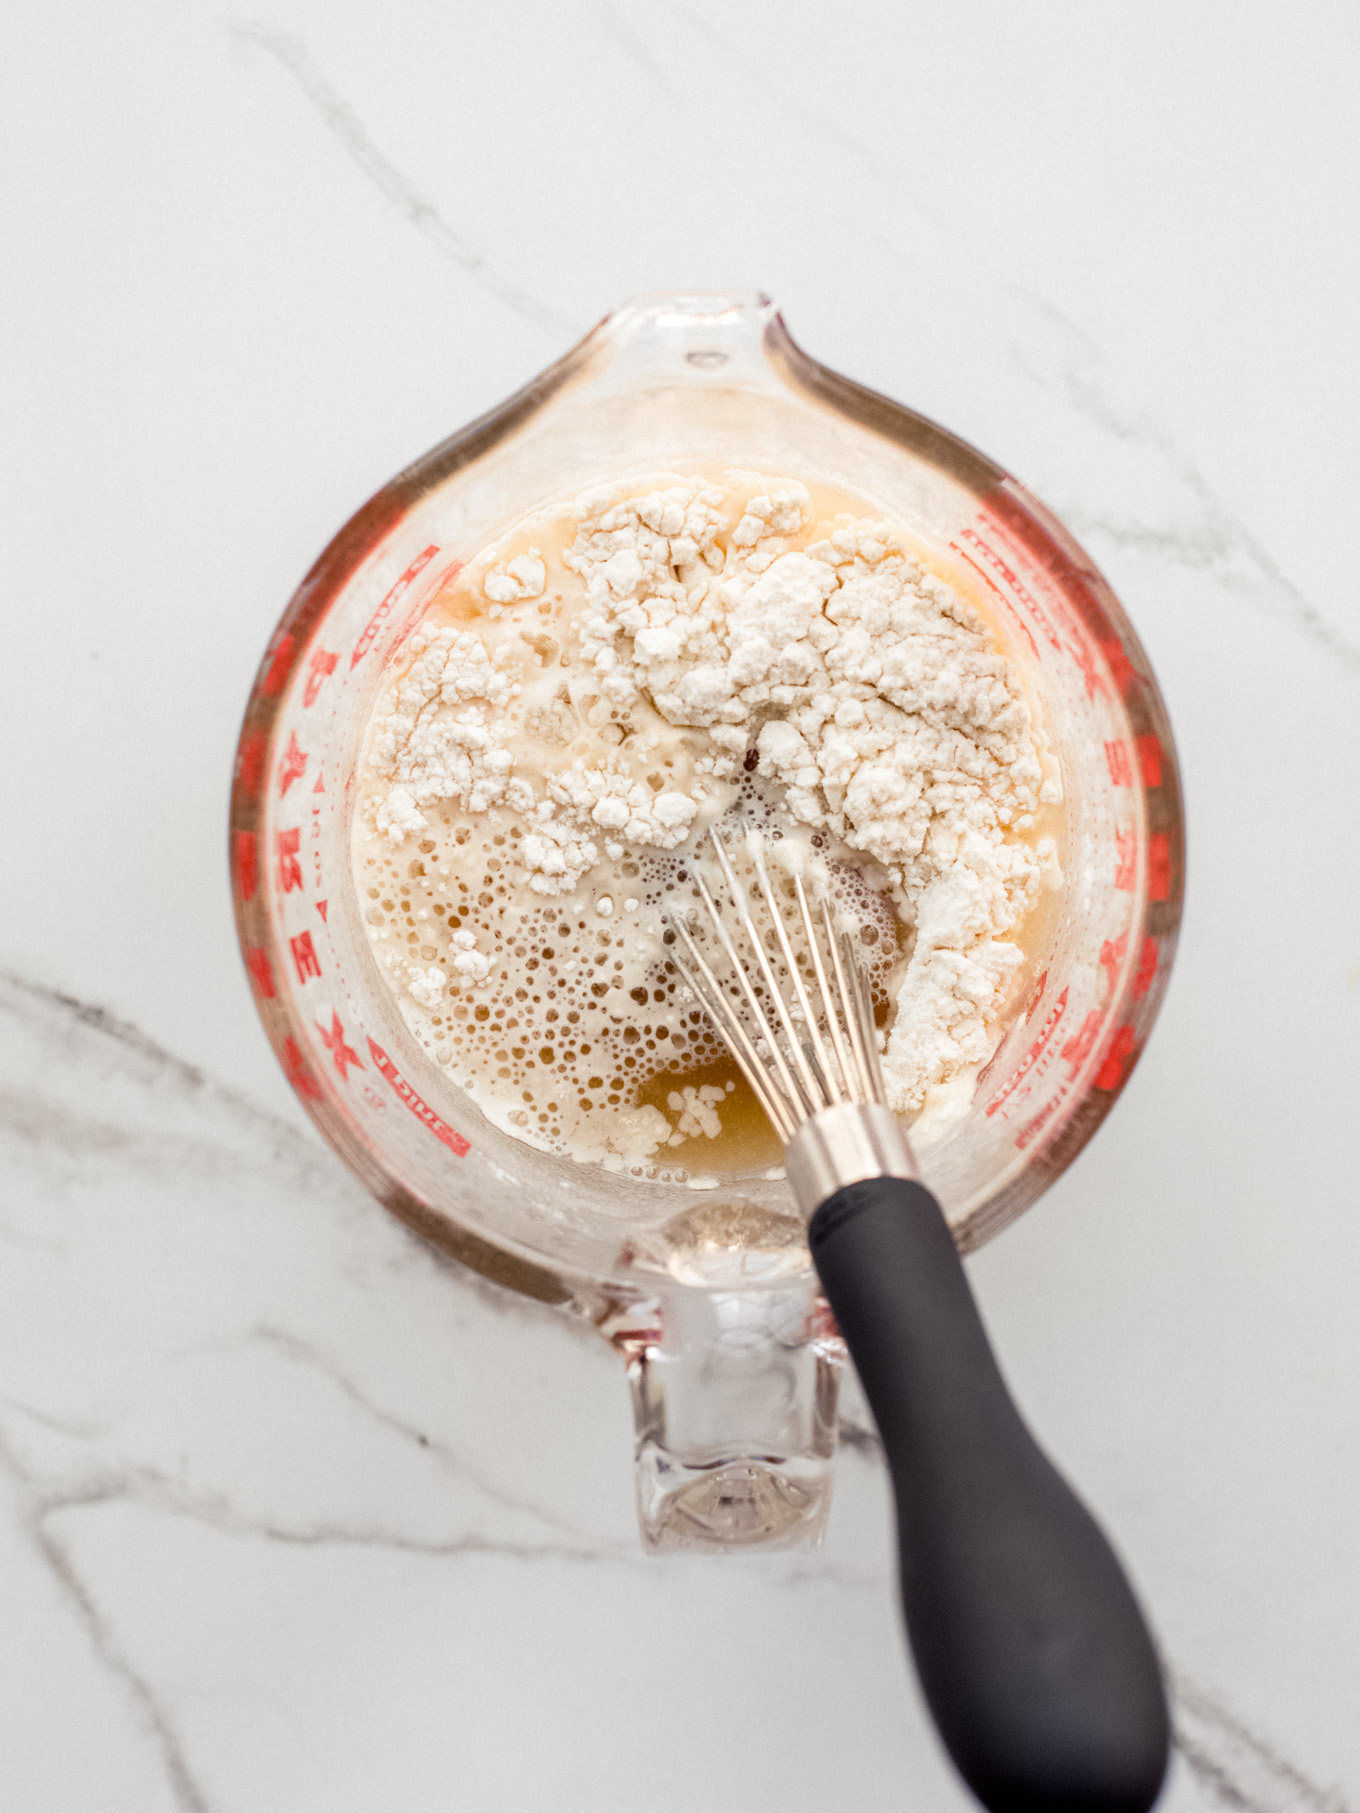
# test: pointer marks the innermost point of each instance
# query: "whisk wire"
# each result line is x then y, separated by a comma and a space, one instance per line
802, 1050
800, 1026
820, 1055
794, 1094
848, 991
854, 1086
865, 1003
700, 978
807, 1087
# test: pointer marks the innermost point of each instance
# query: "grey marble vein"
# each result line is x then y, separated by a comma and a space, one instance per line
635, 49
79, 1033
151, 1488
145, 1704
145, 1127
858, 1437
344, 124
45, 1500
1215, 541
756, 79
71, 1034
1238, 1768
84, 1472
303, 1352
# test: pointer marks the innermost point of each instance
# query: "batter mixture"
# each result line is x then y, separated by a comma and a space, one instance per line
586, 698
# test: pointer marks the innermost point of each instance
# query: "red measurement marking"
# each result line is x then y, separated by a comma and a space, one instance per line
1040, 1121
261, 974
250, 761
1159, 866
304, 956
1078, 1049
345, 1058
1147, 968
277, 671
320, 663
422, 1110
300, 1071
633, 1338
996, 590
1116, 1062
248, 863
443, 578
320, 786
293, 766
1126, 861
821, 1323
384, 610
1014, 583
1120, 666
1119, 763
321, 907
289, 868
1150, 758
1032, 1056
1076, 588
1036, 995
1086, 661
1111, 956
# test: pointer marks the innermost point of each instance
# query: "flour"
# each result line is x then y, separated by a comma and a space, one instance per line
436, 750
517, 579
679, 643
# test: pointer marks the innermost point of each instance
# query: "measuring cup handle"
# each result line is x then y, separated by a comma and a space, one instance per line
1032, 1651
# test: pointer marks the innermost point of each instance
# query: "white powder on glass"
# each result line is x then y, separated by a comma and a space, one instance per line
656, 652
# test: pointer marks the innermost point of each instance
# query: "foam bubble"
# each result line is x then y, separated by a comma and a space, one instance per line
578, 1012
561, 1015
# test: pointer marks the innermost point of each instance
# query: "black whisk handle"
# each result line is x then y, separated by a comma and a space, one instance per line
1033, 1654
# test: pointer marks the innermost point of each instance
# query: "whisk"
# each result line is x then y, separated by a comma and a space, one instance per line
1032, 1652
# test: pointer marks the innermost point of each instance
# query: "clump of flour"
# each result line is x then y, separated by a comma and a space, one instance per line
688, 641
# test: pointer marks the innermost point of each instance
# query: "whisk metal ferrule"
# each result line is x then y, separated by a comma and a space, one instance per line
792, 1005
1021, 1621
848, 1143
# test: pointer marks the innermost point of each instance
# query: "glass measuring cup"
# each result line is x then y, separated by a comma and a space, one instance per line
708, 1295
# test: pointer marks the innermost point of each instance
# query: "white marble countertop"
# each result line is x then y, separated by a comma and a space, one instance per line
297, 1516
